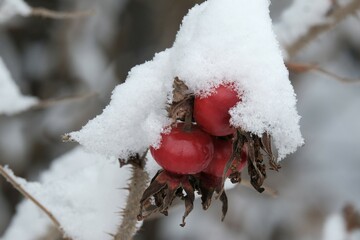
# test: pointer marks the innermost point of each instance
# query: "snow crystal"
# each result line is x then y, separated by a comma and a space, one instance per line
11, 8
11, 100
82, 190
219, 41
299, 18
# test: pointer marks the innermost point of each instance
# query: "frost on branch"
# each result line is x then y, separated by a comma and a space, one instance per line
11, 8
219, 41
11, 100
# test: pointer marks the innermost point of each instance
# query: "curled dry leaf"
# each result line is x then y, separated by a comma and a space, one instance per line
163, 189
182, 101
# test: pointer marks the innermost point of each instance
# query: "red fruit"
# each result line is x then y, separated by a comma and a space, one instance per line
184, 152
212, 112
222, 153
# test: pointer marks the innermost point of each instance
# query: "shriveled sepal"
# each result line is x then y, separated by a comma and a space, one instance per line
163, 189
208, 185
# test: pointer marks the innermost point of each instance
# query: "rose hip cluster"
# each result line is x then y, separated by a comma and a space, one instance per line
197, 154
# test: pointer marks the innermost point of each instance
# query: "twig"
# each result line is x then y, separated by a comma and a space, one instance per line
46, 13
304, 67
27, 195
335, 17
51, 102
137, 186
268, 190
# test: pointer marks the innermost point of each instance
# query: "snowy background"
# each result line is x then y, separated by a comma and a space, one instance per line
56, 75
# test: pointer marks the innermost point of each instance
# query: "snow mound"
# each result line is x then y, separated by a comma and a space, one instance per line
11, 8
11, 100
84, 191
219, 41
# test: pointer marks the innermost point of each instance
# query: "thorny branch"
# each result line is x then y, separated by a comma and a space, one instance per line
136, 188
27, 195
336, 16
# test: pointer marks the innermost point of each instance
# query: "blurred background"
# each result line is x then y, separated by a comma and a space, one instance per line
74, 64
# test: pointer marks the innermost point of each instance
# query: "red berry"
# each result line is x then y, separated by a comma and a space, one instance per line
222, 153
184, 152
212, 112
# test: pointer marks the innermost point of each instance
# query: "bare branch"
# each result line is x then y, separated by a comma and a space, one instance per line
52, 102
304, 67
137, 186
335, 16
27, 195
46, 13
268, 190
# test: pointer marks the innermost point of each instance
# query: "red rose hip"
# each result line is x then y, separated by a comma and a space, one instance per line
222, 152
212, 112
184, 151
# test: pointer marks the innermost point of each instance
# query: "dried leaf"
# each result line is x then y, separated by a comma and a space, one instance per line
224, 200
183, 101
266, 146
189, 201
180, 92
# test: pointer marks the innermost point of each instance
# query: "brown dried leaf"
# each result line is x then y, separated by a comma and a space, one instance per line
239, 141
266, 146
181, 91
224, 200
256, 168
189, 201
183, 101
180, 109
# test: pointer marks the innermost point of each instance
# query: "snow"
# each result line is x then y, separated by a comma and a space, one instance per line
219, 41
85, 193
11, 8
334, 228
11, 100
136, 115
297, 19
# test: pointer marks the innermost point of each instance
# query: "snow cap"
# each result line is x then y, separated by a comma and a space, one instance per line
219, 41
